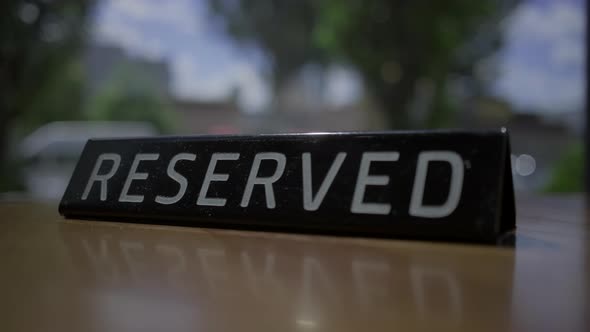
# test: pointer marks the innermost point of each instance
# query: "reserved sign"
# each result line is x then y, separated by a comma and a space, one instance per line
443, 185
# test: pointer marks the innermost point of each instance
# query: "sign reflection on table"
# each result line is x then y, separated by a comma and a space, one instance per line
313, 279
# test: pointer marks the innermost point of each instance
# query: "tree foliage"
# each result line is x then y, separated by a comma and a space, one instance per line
394, 44
568, 174
39, 41
284, 29
59, 101
130, 96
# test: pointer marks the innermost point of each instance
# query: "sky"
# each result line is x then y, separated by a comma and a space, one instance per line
204, 63
540, 67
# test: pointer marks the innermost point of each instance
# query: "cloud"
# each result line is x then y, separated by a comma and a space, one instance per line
558, 19
532, 89
145, 27
203, 65
569, 53
253, 92
544, 59
193, 80
343, 86
180, 15
128, 37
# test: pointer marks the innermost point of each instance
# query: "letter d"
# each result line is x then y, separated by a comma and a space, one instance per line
417, 207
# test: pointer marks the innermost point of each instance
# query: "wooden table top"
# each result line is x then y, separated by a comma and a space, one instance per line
60, 275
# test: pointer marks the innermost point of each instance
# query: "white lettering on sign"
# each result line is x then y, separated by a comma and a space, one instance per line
102, 178
211, 176
312, 201
309, 202
364, 179
267, 182
417, 207
135, 175
174, 175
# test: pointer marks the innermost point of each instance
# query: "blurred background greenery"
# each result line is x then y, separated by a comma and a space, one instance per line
71, 70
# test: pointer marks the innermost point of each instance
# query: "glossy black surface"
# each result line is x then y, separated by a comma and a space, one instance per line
484, 211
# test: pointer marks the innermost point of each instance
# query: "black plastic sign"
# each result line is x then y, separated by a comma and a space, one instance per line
438, 185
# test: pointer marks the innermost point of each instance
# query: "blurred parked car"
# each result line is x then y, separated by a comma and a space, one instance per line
50, 153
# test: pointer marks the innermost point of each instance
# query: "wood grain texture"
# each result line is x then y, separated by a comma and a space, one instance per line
89, 276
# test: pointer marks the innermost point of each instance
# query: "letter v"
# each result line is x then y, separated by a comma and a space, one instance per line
309, 202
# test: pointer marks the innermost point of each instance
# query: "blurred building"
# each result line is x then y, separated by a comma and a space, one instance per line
538, 142
102, 62
321, 99
353, 118
208, 117
301, 106
51, 152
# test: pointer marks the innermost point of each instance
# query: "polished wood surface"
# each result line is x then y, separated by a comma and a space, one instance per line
60, 275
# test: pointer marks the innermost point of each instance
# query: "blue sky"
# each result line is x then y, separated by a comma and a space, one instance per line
204, 63
541, 66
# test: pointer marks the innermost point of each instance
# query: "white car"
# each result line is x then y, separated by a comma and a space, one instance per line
51, 151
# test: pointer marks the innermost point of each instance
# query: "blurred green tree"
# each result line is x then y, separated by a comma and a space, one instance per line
131, 96
38, 42
283, 29
567, 176
395, 44
62, 100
